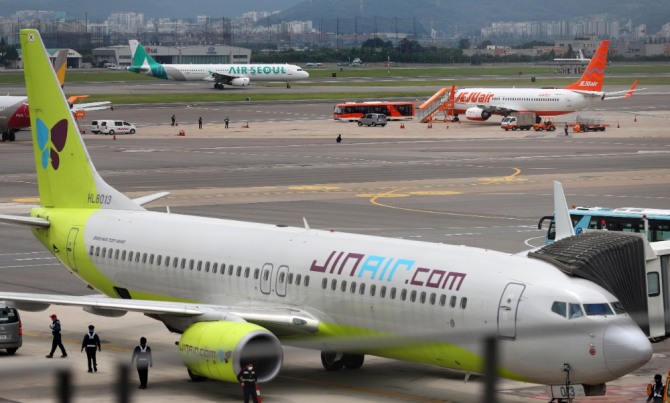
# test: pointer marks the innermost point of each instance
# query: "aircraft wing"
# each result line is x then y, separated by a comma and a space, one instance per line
626, 94
276, 318
92, 106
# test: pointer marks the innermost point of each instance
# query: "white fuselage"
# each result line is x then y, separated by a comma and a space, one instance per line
543, 102
254, 72
451, 295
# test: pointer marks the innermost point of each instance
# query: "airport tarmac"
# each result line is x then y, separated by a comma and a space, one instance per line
470, 184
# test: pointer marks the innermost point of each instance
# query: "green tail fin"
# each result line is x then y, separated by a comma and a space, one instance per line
65, 175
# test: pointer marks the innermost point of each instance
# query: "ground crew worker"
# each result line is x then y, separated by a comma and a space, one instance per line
339, 138
656, 392
142, 358
57, 341
200, 122
91, 343
226, 120
248, 380
566, 129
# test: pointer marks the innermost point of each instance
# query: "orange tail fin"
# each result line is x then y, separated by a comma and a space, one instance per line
592, 79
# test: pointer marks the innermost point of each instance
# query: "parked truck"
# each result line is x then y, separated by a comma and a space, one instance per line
518, 121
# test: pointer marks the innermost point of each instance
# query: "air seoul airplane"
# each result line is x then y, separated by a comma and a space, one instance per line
480, 103
236, 291
229, 74
14, 111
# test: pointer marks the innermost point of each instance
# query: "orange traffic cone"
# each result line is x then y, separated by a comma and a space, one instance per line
430, 125
258, 394
402, 125
635, 120
114, 136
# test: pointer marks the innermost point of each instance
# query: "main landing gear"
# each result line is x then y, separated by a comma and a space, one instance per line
218, 86
333, 361
9, 135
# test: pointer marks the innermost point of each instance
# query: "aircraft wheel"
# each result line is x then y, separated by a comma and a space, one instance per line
455, 119
331, 361
4, 136
196, 378
11, 136
353, 361
288, 85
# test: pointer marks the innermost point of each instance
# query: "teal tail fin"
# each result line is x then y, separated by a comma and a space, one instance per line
143, 62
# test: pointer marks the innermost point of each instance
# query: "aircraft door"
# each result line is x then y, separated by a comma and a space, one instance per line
70, 248
266, 278
507, 310
281, 280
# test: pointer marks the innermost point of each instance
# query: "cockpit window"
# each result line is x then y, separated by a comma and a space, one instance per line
598, 309
618, 308
576, 311
560, 308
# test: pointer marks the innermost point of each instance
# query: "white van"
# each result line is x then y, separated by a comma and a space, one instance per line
112, 127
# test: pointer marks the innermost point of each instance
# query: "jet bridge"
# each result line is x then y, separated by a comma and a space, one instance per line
628, 266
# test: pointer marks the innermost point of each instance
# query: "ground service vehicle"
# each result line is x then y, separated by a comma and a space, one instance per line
11, 331
112, 127
589, 124
353, 111
373, 119
519, 121
654, 222
545, 124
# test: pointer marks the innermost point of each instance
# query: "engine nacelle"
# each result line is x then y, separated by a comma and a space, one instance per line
219, 350
477, 113
240, 81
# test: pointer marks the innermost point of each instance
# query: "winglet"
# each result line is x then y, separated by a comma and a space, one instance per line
562, 218
631, 91
66, 176
594, 75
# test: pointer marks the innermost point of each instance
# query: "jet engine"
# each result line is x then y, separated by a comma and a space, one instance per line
220, 349
477, 113
240, 81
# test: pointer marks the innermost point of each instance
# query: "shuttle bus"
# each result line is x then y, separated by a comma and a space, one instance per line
353, 111
654, 222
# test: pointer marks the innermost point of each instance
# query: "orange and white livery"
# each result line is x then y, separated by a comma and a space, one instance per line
482, 103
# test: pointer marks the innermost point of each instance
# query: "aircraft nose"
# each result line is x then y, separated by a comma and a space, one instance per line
625, 348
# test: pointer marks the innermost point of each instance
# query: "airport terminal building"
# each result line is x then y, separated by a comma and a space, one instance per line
203, 54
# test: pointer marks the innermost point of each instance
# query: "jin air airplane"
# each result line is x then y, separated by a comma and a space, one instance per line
14, 111
236, 291
481, 103
239, 75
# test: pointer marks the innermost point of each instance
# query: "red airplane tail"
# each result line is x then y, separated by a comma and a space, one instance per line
594, 75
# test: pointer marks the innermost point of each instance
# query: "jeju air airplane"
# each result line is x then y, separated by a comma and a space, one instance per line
14, 111
481, 103
239, 75
236, 291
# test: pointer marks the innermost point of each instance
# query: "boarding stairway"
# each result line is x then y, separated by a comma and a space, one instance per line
441, 101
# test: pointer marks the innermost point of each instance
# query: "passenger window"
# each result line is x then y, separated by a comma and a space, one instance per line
373, 289
560, 308
324, 283
215, 267
104, 252
290, 277
382, 292
392, 292
297, 279
97, 251
190, 264
167, 261
452, 301
247, 270
343, 287
333, 285
353, 287
422, 297
151, 259
239, 271
144, 258
257, 273
206, 267
412, 296
230, 270
361, 289
183, 263
282, 276
576, 311
90, 250
159, 260
443, 300
306, 281
433, 298
116, 254
464, 302
123, 255
403, 294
